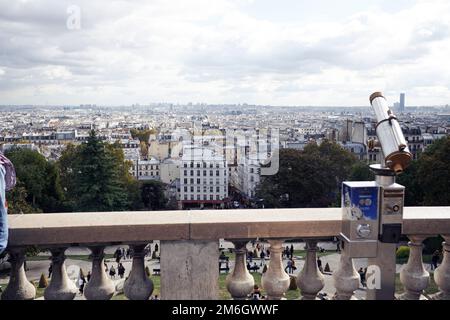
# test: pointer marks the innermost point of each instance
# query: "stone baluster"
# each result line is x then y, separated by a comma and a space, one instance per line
99, 287
442, 273
346, 279
240, 282
310, 280
275, 281
18, 288
60, 287
138, 286
413, 276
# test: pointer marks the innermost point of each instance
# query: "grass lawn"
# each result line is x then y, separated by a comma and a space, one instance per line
223, 293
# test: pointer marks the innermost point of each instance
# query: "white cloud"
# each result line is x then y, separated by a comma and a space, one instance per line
221, 51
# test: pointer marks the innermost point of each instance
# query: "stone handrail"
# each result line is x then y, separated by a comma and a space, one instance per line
190, 238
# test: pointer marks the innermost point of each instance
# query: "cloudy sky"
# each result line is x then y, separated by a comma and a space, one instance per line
284, 52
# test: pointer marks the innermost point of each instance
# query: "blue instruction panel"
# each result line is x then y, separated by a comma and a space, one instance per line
360, 199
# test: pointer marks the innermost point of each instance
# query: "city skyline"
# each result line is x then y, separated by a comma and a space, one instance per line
292, 53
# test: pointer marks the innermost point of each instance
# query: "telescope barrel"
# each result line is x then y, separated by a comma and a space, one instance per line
389, 133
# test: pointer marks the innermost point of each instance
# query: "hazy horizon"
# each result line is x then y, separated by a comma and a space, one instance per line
289, 53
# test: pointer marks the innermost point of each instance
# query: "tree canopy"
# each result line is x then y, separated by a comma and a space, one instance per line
308, 178
38, 182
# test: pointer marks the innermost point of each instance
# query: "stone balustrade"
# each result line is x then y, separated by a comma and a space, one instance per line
190, 251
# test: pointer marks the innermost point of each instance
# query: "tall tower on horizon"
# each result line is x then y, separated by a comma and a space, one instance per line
402, 102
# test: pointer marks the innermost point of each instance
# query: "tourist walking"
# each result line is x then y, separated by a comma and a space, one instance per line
288, 268
112, 272
81, 283
50, 270
362, 276
121, 270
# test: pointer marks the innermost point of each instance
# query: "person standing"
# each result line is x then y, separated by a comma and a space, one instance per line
112, 272
288, 268
121, 270
7, 182
50, 270
81, 283
362, 276
292, 251
88, 277
262, 256
435, 259
319, 264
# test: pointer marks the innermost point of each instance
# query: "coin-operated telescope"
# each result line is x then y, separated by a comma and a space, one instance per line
372, 211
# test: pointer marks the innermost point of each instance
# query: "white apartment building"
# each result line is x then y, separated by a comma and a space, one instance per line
203, 178
146, 169
248, 175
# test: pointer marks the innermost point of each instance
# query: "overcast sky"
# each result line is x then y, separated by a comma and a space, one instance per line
283, 52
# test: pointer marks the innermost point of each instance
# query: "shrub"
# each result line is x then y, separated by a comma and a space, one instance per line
432, 244
293, 283
43, 282
402, 252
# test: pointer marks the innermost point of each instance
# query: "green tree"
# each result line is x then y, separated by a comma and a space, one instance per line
96, 176
152, 193
17, 200
39, 181
413, 190
433, 173
308, 178
360, 171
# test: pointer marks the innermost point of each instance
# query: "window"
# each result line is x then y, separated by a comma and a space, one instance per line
185, 197
198, 197
211, 189
210, 173
198, 164
191, 164
192, 172
217, 189
204, 173
185, 172
198, 173
198, 181
211, 197
205, 197
192, 181
217, 197
185, 188
217, 173
192, 189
